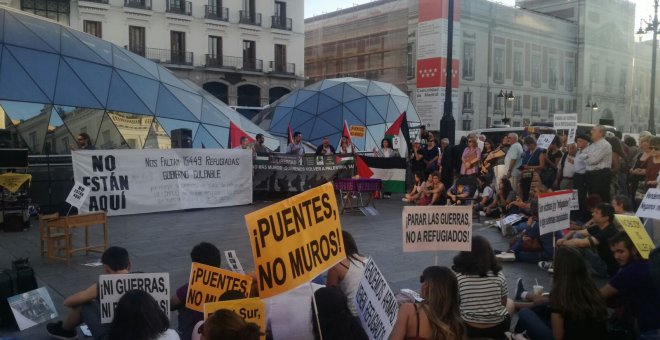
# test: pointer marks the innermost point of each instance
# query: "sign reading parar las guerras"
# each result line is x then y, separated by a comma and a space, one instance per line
112, 287
435, 228
124, 182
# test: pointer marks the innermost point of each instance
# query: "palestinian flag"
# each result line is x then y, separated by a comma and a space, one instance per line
392, 171
399, 130
235, 135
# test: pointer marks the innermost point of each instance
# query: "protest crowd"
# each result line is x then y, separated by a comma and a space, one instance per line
502, 181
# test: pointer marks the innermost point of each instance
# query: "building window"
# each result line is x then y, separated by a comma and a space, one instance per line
467, 125
93, 28
622, 80
536, 70
497, 103
51, 9
551, 106
410, 60
178, 47
249, 55
569, 105
535, 105
469, 51
516, 105
498, 70
569, 82
518, 68
215, 46
552, 73
467, 101
280, 58
136, 40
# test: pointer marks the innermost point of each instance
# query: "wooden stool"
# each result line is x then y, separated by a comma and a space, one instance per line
43, 233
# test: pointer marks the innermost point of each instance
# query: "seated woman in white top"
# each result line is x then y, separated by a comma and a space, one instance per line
417, 189
139, 317
347, 273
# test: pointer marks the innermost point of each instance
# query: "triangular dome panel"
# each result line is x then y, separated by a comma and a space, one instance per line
350, 93
122, 98
361, 86
133, 128
375, 90
157, 137
212, 115
15, 33
306, 128
281, 127
205, 140
288, 100
126, 63
373, 117
329, 83
173, 124
281, 112
358, 107
95, 76
335, 92
401, 103
310, 105
72, 91
149, 66
73, 47
299, 118
393, 112
334, 116
304, 95
326, 103
16, 84
220, 134
322, 129
381, 104
99, 46
167, 77
170, 107
191, 100
145, 88
41, 66
49, 32
109, 137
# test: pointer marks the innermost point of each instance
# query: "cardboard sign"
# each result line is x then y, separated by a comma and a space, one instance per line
635, 229
376, 304
357, 131
295, 240
575, 201
78, 195
251, 310
207, 283
554, 211
571, 136
563, 121
32, 308
112, 287
234, 263
544, 141
435, 228
650, 206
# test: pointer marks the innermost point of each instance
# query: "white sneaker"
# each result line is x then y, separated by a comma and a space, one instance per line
482, 213
404, 200
547, 266
506, 256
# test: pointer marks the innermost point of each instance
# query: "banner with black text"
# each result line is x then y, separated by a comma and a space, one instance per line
113, 286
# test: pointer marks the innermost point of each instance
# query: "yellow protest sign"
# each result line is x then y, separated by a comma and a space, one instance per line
295, 240
635, 229
207, 283
251, 310
357, 131
13, 181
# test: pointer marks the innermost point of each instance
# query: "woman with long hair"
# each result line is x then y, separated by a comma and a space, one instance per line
433, 191
346, 274
385, 150
438, 316
638, 171
138, 317
482, 291
470, 158
505, 195
418, 187
331, 308
577, 310
225, 324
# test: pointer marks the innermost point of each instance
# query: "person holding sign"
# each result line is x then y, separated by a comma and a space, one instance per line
331, 311
347, 273
138, 317
471, 157
634, 285
533, 161
438, 315
84, 305
227, 325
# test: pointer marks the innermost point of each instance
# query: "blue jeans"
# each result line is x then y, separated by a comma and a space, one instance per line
536, 327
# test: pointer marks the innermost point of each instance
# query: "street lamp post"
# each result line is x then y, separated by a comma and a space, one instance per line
593, 106
652, 26
507, 96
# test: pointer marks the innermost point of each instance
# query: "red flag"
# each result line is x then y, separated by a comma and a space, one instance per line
362, 168
396, 126
290, 135
346, 133
235, 135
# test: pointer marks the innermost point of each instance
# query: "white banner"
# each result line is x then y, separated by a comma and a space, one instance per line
78, 195
376, 303
554, 211
124, 182
113, 286
650, 206
436, 228
566, 121
544, 141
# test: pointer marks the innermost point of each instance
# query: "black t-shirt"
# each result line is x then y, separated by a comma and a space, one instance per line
583, 328
603, 236
633, 282
417, 165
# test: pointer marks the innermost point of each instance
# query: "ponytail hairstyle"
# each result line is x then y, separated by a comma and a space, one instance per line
227, 325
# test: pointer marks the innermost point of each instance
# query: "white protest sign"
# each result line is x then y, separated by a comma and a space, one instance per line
575, 201
376, 303
126, 182
571, 136
396, 142
113, 286
565, 121
554, 211
78, 195
434, 228
650, 206
511, 219
32, 308
234, 263
545, 140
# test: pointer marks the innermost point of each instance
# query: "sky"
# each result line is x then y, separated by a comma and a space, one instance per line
644, 8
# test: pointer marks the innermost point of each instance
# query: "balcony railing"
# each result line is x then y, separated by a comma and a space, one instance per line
250, 18
281, 22
282, 68
225, 61
216, 13
98, 1
141, 4
167, 57
179, 7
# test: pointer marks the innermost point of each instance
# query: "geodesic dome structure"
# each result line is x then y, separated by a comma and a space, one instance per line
320, 109
56, 82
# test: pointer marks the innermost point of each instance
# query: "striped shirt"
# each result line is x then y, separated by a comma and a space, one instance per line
481, 297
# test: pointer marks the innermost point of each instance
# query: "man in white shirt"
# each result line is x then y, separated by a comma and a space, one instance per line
513, 161
296, 148
598, 158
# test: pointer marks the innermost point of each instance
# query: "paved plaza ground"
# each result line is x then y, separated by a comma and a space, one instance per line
161, 242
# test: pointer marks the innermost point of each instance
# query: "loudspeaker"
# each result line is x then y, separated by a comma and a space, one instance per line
181, 139
13, 158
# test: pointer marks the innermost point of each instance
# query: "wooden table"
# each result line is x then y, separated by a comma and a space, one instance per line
354, 187
68, 223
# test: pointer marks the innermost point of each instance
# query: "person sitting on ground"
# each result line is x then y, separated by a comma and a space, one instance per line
600, 263
224, 324
486, 194
633, 284
333, 315
576, 309
438, 315
622, 205
457, 194
204, 253
431, 195
482, 291
521, 206
346, 274
138, 317
505, 195
84, 305
417, 189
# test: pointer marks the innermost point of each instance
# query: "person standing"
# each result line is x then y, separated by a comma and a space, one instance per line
497, 159
431, 155
296, 148
566, 169
598, 158
471, 157
84, 142
532, 162
417, 164
325, 149
580, 175
513, 161
259, 147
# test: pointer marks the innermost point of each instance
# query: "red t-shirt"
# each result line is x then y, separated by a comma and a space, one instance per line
651, 170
